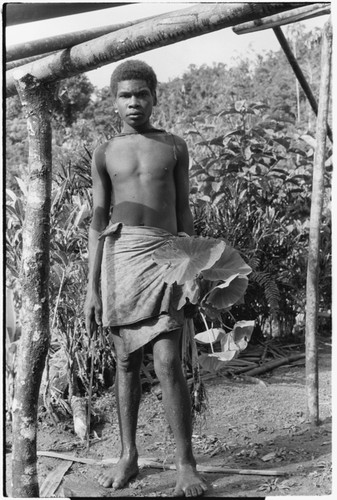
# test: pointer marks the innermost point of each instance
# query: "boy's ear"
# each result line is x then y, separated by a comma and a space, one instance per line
155, 100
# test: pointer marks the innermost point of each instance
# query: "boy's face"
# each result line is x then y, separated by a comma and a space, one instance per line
134, 102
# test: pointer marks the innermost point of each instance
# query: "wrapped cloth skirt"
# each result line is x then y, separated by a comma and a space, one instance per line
137, 304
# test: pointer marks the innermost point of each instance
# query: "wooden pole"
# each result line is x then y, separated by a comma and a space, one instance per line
298, 72
292, 16
52, 44
34, 341
171, 28
312, 294
25, 60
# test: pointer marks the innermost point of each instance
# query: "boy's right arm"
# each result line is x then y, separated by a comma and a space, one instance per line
101, 191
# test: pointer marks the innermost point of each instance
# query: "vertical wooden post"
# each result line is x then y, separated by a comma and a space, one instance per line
34, 342
298, 72
315, 222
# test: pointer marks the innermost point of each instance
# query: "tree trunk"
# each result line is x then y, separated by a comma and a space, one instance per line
34, 341
314, 236
148, 35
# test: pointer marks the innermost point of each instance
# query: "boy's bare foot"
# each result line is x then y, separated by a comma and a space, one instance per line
189, 482
118, 477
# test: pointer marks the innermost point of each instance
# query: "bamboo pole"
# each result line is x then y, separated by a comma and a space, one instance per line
52, 44
298, 72
26, 60
34, 341
154, 464
172, 28
292, 16
312, 293
271, 365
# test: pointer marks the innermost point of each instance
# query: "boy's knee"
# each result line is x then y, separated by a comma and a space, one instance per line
166, 366
129, 361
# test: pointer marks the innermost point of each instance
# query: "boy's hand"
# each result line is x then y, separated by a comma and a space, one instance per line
93, 312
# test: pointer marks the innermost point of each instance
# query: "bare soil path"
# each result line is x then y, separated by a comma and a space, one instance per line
258, 426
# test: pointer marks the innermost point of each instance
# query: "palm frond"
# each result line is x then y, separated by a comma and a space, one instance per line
270, 288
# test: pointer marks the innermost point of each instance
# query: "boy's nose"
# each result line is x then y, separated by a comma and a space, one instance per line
133, 101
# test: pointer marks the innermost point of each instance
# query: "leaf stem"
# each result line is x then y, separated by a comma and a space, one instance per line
207, 329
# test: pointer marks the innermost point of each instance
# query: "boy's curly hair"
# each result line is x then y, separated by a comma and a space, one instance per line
134, 70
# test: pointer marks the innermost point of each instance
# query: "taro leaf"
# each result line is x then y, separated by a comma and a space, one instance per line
210, 363
210, 336
189, 290
211, 312
242, 332
226, 355
228, 344
230, 263
237, 340
226, 294
186, 257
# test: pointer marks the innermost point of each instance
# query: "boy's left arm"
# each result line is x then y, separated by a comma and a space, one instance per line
181, 178
184, 214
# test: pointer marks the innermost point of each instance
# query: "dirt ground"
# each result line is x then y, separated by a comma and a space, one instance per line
247, 427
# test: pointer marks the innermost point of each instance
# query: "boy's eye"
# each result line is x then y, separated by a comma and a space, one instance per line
141, 94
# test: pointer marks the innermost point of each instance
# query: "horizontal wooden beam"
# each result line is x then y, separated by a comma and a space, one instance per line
25, 60
52, 44
291, 16
19, 13
171, 28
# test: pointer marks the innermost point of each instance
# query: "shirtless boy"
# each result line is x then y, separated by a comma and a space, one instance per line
143, 174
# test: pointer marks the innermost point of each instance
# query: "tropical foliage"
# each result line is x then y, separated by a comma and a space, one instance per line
250, 134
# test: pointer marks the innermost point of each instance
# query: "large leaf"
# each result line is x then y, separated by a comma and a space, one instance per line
186, 257
237, 340
226, 294
210, 311
210, 336
225, 355
189, 290
242, 333
228, 344
210, 363
230, 263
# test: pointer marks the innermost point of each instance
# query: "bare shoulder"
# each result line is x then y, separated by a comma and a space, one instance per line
179, 141
181, 147
98, 156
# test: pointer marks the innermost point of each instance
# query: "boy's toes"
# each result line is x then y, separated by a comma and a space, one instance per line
104, 480
178, 492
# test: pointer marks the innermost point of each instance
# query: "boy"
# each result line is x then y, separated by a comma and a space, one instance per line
143, 173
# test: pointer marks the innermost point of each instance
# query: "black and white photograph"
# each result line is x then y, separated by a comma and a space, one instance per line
167, 249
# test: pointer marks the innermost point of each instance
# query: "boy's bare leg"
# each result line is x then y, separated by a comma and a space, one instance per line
128, 394
177, 404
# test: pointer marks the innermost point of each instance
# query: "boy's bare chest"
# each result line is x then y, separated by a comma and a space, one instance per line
134, 156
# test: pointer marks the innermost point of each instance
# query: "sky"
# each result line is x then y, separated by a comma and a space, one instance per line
169, 62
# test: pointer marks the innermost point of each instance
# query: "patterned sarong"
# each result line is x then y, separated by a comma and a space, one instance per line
137, 303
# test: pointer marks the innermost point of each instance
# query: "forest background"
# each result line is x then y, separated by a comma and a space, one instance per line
251, 137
